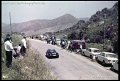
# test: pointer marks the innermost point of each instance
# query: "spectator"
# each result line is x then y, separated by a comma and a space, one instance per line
14, 53
19, 48
8, 49
23, 46
70, 46
48, 40
7, 36
17, 51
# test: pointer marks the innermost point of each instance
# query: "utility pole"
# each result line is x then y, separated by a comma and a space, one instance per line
104, 33
10, 26
10, 22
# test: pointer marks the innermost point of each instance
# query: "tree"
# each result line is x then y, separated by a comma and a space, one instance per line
115, 44
80, 35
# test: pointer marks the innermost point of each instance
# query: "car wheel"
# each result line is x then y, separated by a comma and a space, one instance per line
83, 53
96, 58
91, 57
112, 68
104, 63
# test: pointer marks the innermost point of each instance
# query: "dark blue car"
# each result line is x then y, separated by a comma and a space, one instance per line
52, 53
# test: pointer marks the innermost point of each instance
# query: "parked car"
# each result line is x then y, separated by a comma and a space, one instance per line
77, 45
52, 53
91, 52
115, 66
58, 41
107, 58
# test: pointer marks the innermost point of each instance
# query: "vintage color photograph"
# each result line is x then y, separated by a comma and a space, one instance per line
59, 40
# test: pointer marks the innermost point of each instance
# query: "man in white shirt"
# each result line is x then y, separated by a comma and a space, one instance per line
8, 49
24, 46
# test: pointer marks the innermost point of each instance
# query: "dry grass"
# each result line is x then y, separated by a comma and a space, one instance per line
31, 67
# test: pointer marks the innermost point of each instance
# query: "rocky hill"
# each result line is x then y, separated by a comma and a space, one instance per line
85, 19
42, 26
104, 18
102, 23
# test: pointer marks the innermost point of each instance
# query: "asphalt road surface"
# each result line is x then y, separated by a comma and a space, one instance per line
71, 66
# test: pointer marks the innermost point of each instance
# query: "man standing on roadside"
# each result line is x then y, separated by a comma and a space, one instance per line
8, 49
24, 46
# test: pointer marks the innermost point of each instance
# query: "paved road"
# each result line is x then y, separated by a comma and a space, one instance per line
71, 66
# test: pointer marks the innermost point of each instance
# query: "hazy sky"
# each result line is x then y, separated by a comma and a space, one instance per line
22, 11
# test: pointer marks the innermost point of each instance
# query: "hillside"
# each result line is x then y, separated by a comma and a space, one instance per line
42, 26
85, 19
93, 30
104, 18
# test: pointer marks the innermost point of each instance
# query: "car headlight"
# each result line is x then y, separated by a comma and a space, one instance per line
109, 61
113, 61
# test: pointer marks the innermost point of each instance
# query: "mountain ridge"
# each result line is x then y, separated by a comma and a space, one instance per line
37, 25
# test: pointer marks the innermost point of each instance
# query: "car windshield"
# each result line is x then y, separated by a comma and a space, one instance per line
52, 51
96, 50
111, 55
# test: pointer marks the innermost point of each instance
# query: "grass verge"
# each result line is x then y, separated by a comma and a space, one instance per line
31, 67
